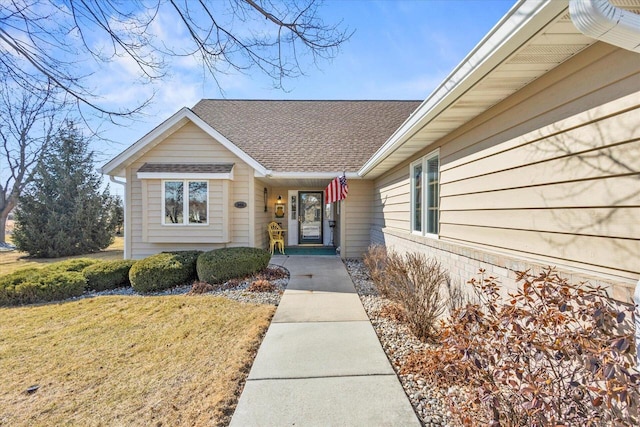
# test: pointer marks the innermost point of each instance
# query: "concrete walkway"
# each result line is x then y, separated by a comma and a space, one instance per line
321, 363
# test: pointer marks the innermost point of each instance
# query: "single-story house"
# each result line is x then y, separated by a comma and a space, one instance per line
527, 155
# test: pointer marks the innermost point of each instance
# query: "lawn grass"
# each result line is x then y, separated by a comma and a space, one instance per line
118, 360
14, 260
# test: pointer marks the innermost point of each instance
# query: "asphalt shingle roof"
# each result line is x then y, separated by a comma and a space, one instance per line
306, 136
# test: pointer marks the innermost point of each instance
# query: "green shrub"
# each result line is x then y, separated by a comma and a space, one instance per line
40, 285
164, 270
57, 281
220, 265
9, 282
19, 276
108, 274
76, 265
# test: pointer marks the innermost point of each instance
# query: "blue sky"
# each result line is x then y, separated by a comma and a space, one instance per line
400, 50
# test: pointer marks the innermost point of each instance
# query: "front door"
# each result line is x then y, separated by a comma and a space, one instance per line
310, 217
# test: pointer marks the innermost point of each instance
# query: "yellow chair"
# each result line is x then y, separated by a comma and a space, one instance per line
276, 237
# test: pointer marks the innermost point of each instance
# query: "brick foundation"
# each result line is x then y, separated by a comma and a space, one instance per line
463, 262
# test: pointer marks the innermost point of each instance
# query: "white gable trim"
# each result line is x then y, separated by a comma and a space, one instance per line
169, 126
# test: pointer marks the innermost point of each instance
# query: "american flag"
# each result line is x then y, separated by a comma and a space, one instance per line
336, 190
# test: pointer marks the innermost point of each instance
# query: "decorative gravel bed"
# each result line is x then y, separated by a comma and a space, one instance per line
6, 247
237, 291
398, 342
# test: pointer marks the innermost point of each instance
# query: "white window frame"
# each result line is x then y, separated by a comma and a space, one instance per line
185, 204
423, 162
413, 197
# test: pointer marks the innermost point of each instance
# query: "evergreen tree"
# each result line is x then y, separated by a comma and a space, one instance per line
117, 214
64, 212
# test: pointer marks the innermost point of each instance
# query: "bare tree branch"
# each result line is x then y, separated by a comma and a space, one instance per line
71, 43
28, 121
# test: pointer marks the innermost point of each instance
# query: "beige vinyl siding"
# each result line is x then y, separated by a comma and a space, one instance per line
357, 212
551, 174
586, 82
568, 194
189, 144
216, 231
262, 218
392, 201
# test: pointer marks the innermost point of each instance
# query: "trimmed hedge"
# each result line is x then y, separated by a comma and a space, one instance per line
19, 276
219, 265
40, 285
108, 275
54, 282
164, 270
76, 265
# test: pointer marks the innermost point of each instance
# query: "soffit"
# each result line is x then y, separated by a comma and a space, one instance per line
630, 5
551, 46
187, 167
298, 183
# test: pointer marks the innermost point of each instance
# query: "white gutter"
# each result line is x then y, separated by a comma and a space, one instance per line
603, 21
114, 180
311, 175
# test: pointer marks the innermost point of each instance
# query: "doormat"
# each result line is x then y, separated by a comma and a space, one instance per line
310, 250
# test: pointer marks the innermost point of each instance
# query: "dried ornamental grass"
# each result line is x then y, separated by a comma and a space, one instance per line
261, 286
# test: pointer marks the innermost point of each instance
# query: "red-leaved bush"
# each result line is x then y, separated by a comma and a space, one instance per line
553, 354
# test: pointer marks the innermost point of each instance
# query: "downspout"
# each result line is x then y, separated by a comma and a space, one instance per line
114, 180
126, 216
603, 21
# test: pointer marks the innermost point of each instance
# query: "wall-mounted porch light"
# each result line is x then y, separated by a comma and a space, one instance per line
280, 208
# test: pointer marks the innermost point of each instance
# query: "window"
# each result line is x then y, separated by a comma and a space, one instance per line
185, 202
425, 195
432, 186
416, 191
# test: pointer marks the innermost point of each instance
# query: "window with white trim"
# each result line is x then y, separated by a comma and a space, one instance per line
416, 197
185, 202
425, 195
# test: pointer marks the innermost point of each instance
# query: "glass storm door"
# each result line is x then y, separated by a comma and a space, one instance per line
310, 217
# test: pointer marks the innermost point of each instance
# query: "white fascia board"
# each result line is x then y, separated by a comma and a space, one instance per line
175, 175
523, 21
121, 161
311, 175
